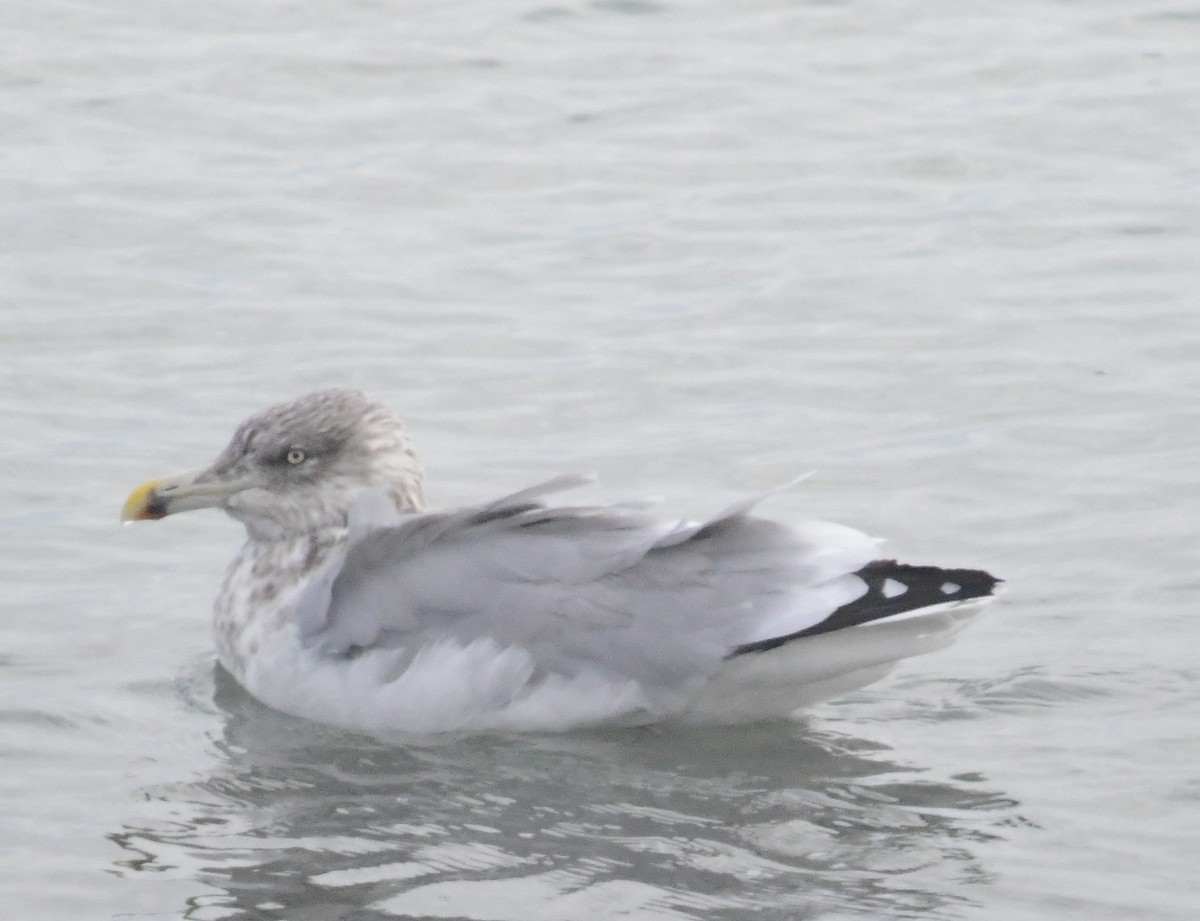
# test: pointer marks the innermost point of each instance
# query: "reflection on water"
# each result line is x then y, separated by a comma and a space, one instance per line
302, 821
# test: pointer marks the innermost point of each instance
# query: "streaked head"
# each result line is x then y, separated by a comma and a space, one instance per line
295, 468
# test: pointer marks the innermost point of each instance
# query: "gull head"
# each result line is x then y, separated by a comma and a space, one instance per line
296, 468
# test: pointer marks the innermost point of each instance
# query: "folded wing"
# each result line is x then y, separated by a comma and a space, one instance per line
600, 590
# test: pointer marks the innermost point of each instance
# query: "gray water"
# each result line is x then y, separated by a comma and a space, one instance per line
945, 254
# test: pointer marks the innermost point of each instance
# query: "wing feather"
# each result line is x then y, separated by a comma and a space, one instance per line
600, 589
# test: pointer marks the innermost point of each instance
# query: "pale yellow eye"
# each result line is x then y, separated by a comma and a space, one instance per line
296, 456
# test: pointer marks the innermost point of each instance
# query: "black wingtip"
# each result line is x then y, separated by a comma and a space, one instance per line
920, 585
892, 588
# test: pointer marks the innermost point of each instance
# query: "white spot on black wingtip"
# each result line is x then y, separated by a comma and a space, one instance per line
892, 589
950, 588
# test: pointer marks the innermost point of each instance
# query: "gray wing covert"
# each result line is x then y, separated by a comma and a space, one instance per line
604, 589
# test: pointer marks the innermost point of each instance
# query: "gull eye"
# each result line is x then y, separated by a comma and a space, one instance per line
295, 457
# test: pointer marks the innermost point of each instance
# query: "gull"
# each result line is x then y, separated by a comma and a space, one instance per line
351, 605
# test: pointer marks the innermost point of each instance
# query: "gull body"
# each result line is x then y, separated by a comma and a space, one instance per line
351, 605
